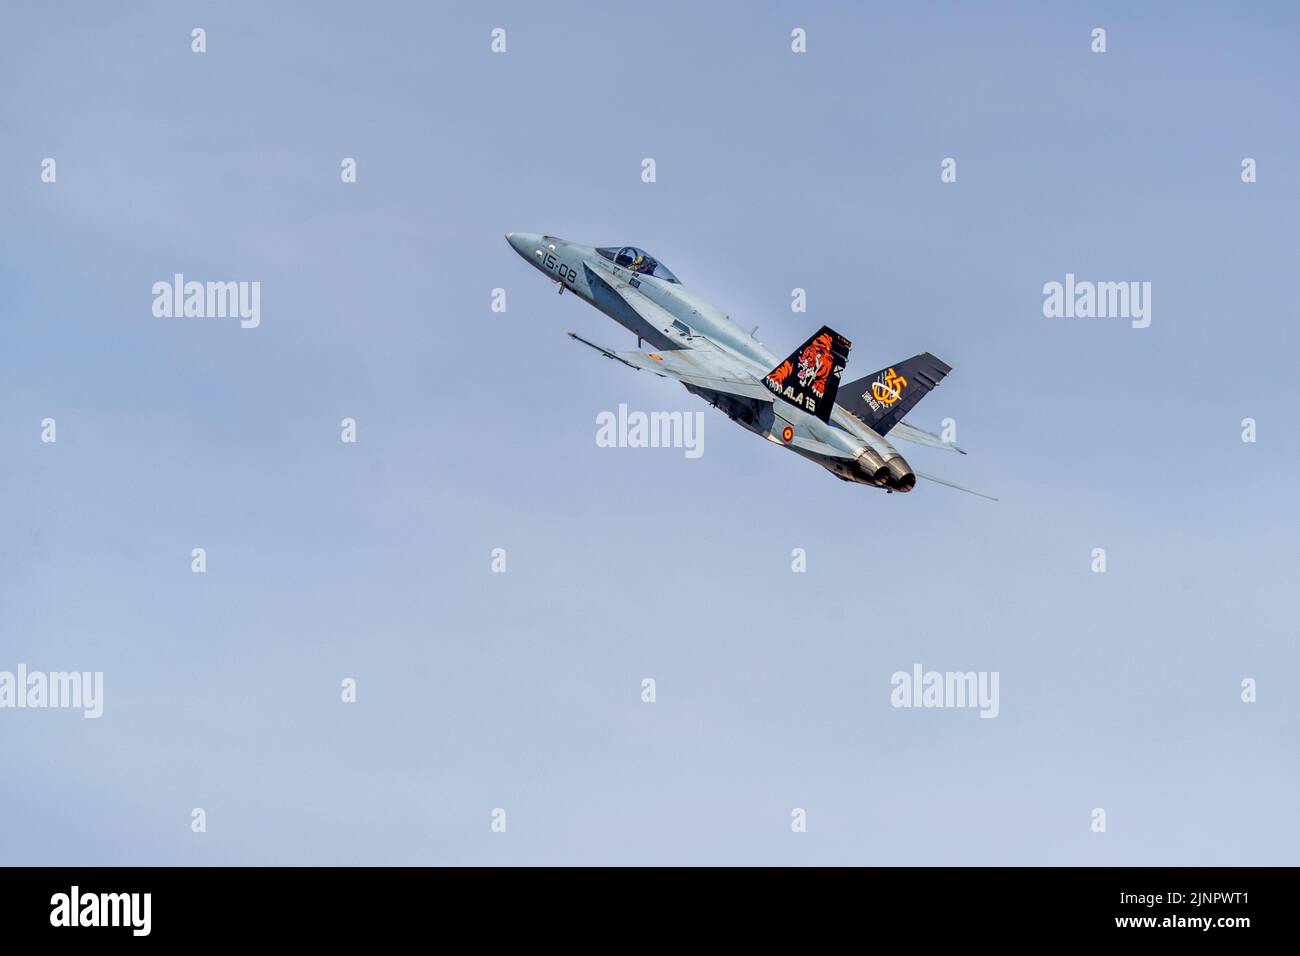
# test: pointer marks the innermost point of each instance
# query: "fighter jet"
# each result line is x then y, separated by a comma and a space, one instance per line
796, 402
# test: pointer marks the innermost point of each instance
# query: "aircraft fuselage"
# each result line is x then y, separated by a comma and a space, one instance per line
862, 454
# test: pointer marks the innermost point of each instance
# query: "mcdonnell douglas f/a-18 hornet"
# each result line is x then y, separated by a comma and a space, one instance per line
791, 402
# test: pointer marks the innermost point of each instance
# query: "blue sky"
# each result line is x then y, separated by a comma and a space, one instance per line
477, 430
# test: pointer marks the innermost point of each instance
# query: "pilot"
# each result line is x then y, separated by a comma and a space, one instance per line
639, 264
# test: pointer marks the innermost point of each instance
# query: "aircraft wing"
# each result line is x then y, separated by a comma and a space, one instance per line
704, 365
694, 360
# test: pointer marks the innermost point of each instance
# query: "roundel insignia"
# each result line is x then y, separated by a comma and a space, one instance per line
787, 434
656, 356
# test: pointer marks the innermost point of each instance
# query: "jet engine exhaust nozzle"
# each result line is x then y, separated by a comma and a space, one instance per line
901, 477
872, 466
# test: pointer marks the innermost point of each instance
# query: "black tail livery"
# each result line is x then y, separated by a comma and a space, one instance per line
810, 377
881, 400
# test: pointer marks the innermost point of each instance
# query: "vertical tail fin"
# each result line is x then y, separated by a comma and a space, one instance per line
883, 398
810, 377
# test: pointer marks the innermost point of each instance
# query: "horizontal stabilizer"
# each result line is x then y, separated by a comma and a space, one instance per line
919, 436
820, 448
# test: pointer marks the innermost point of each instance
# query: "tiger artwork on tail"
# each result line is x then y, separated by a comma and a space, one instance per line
809, 377
815, 364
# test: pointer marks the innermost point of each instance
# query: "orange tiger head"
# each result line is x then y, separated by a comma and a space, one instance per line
815, 364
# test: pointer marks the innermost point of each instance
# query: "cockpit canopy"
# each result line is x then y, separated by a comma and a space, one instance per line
638, 260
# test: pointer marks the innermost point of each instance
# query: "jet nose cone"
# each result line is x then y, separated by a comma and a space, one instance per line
524, 243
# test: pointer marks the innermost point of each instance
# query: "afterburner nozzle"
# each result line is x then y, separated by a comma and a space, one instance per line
872, 466
901, 477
